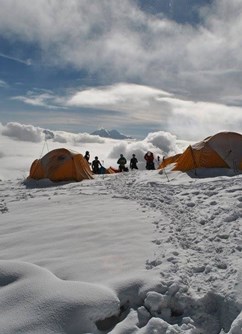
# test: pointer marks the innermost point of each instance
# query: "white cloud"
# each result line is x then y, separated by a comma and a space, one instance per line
27, 62
165, 141
160, 143
3, 84
22, 132
152, 107
34, 134
41, 99
196, 120
117, 42
123, 95
137, 105
133, 104
129, 103
122, 43
75, 139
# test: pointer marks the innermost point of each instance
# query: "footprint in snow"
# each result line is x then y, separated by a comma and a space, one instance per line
229, 219
3, 207
191, 204
233, 190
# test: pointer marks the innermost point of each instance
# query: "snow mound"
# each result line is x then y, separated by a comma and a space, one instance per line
42, 303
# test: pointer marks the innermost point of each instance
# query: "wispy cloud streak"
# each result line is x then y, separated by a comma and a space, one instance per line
27, 62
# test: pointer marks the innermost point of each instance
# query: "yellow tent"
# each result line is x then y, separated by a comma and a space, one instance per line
223, 150
61, 165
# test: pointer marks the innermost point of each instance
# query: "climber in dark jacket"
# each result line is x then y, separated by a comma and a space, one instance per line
122, 162
96, 165
133, 162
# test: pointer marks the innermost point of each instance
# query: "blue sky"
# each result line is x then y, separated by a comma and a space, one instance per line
137, 66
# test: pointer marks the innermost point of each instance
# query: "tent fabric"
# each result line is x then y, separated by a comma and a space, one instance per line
112, 170
61, 165
169, 160
223, 150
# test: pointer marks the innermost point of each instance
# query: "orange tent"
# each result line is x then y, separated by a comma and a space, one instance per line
61, 165
223, 150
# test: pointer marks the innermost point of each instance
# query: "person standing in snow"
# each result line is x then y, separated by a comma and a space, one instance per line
158, 161
96, 165
122, 162
149, 157
87, 156
133, 162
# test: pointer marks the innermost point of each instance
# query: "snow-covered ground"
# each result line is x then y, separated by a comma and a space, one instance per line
138, 252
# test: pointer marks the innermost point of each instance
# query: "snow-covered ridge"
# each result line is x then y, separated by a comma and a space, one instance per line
114, 134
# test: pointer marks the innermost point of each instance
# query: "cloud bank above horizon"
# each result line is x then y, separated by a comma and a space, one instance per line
142, 105
161, 142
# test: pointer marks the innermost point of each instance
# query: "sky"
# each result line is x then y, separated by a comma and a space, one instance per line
142, 252
136, 66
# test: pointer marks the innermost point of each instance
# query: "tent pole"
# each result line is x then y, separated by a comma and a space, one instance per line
166, 175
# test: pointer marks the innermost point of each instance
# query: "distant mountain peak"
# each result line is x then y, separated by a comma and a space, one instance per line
114, 134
